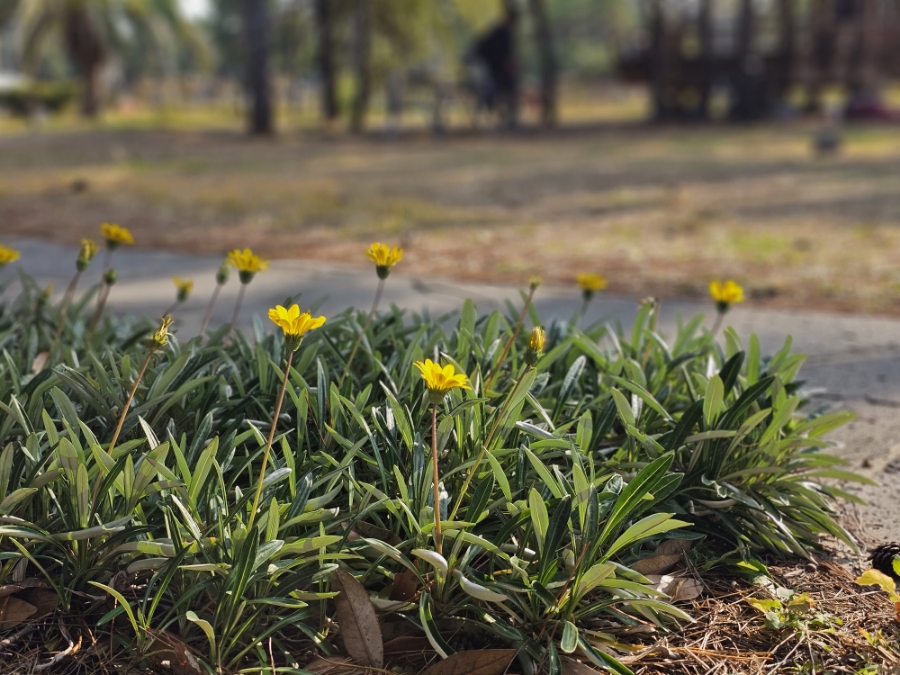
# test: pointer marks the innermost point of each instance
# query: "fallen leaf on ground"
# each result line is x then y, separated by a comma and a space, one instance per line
572, 667
670, 546
356, 617
14, 611
407, 643
679, 589
333, 665
405, 586
169, 651
370, 531
657, 564
39, 361
44, 601
476, 662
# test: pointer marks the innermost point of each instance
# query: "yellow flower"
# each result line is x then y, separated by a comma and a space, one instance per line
161, 336
183, 287
384, 258
294, 323
439, 381
534, 282
591, 282
726, 294
247, 263
7, 255
115, 235
86, 254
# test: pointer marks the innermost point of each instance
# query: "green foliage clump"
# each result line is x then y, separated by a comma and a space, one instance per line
553, 480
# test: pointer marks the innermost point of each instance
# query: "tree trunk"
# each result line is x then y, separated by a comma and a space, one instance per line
707, 56
325, 57
86, 49
787, 48
362, 67
256, 33
823, 43
543, 34
659, 66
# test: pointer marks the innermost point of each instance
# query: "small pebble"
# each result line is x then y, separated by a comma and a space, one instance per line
812, 567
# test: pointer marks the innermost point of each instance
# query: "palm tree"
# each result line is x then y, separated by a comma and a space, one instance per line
90, 30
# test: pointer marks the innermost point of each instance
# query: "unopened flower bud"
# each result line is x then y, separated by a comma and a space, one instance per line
535, 345
534, 282
110, 276
223, 274
161, 336
86, 254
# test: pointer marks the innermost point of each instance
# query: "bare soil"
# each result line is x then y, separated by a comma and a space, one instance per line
658, 211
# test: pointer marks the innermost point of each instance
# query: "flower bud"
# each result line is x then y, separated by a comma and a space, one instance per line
223, 274
535, 345
534, 282
161, 336
110, 276
86, 254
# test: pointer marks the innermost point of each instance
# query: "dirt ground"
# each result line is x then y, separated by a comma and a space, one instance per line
658, 211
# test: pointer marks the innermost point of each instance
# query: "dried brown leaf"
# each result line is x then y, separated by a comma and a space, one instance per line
679, 589
657, 564
572, 667
476, 662
14, 611
39, 361
356, 617
407, 643
169, 651
671, 546
369, 531
333, 665
405, 586
44, 601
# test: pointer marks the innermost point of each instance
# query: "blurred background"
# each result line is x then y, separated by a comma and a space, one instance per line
661, 143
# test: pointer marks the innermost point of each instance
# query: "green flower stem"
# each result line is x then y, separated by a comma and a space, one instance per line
437, 482
265, 461
487, 442
209, 309
237, 310
171, 308
512, 339
378, 292
115, 438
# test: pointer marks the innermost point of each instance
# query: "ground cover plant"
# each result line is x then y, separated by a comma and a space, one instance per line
270, 502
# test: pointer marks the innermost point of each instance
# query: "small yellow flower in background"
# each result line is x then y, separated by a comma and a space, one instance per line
440, 381
86, 254
161, 336
7, 255
726, 294
223, 273
384, 258
247, 263
115, 235
294, 323
591, 283
534, 282
535, 345
184, 287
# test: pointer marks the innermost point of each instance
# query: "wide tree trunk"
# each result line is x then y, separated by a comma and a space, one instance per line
256, 34
659, 65
85, 47
822, 56
362, 64
325, 58
707, 56
548, 67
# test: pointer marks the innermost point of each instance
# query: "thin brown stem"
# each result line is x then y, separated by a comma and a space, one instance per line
64, 313
171, 308
584, 309
115, 438
209, 309
365, 329
265, 461
512, 339
437, 482
487, 442
101, 303
237, 310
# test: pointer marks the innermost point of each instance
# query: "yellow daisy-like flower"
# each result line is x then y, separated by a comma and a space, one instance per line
294, 323
247, 263
384, 258
439, 381
591, 282
726, 294
161, 336
7, 255
86, 254
535, 345
115, 235
183, 287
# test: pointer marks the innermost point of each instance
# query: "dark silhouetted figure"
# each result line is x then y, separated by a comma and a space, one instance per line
496, 51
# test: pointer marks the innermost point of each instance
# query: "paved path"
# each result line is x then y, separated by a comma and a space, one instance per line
854, 361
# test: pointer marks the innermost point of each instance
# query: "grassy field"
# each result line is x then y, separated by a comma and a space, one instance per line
658, 211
